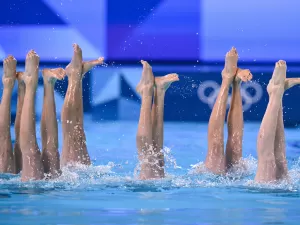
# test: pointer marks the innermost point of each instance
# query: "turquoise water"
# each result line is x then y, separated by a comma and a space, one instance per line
109, 193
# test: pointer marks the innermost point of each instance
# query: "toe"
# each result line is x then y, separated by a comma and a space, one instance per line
145, 64
244, 78
233, 50
250, 76
282, 62
76, 47
29, 54
176, 76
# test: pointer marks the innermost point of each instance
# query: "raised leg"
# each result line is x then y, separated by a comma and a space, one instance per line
215, 159
279, 148
8, 79
17, 149
235, 121
32, 162
74, 140
144, 137
266, 169
161, 86
49, 130
279, 145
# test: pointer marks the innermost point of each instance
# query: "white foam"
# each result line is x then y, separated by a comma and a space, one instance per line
88, 177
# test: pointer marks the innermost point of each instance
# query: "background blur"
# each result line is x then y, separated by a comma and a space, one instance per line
187, 37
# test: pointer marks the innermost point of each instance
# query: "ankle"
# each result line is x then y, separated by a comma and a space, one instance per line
236, 83
147, 90
277, 92
31, 89
160, 91
49, 82
75, 80
8, 87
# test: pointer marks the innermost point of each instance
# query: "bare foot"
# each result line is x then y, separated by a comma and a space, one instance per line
230, 68
9, 67
147, 80
30, 76
87, 66
291, 82
277, 81
77, 68
74, 69
165, 81
51, 75
77, 56
243, 75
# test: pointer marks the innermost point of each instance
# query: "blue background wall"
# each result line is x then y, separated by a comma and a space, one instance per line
153, 29
190, 38
109, 94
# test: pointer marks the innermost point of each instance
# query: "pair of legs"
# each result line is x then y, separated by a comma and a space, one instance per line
33, 163
74, 140
216, 161
149, 138
28, 157
272, 163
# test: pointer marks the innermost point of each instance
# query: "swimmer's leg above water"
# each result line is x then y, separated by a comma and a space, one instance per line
161, 86
144, 137
74, 140
32, 168
279, 148
266, 169
279, 145
17, 149
150, 132
49, 130
215, 159
235, 121
8, 79
281, 170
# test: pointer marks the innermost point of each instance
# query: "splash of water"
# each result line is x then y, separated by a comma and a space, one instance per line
80, 177
170, 161
187, 87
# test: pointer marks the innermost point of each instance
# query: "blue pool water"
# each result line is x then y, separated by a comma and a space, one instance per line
109, 193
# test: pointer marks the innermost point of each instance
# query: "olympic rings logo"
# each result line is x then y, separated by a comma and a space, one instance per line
247, 99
